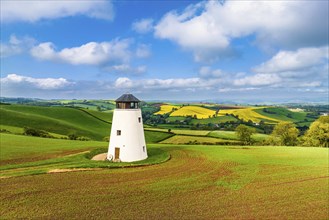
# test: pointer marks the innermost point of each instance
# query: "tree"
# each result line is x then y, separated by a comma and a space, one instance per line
318, 133
287, 133
244, 134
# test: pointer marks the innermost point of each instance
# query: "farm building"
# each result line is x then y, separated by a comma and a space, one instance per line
127, 140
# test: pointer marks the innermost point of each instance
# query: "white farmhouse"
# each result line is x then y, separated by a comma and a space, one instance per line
127, 141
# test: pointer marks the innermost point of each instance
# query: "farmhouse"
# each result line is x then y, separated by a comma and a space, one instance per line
127, 141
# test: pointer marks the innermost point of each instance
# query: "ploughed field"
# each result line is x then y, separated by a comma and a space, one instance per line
198, 182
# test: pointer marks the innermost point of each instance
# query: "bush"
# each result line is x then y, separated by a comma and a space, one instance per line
36, 133
4, 131
82, 138
72, 136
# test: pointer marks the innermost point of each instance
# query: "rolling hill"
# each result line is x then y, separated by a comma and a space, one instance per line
62, 121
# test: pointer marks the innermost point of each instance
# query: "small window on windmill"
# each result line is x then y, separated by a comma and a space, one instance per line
139, 119
143, 148
132, 105
118, 132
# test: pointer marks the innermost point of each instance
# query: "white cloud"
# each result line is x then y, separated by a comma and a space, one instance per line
123, 83
126, 69
237, 89
143, 51
92, 53
258, 80
143, 26
207, 28
15, 46
41, 83
32, 11
206, 72
177, 84
300, 59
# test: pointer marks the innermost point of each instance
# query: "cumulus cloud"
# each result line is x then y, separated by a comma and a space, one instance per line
303, 58
207, 28
92, 53
207, 72
15, 46
41, 83
143, 26
237, 89
143, 51
32, 11
177, 84
125, 69
258, 80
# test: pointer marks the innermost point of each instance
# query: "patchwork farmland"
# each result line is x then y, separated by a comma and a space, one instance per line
190, 174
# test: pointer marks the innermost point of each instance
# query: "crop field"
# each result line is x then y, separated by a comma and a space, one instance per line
200, 112
248, 114
44, 178
184, 139
198, 182
231, 135
284, 114
216, 120
164, 109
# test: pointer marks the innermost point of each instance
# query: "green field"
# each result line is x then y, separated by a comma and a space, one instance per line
222, 182
48, 178
284, 114
24, 155
231, 135
62, 121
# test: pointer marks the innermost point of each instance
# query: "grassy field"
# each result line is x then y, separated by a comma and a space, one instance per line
19, 148
283, 114
24, 155
198, 182
59, 120
62, 121
43, 178
231, 135
184, 139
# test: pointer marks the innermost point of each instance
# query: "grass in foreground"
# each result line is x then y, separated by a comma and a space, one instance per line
222, 182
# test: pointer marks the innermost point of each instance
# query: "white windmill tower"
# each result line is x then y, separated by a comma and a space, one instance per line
127, 141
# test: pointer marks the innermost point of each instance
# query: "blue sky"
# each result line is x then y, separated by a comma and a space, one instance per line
226, 51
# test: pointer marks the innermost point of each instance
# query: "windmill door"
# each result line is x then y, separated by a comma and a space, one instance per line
116, 153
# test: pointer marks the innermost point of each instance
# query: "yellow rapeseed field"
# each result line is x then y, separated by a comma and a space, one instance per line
247, 114
164, 109
200, 112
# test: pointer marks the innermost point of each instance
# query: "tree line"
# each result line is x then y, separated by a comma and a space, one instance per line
286, 134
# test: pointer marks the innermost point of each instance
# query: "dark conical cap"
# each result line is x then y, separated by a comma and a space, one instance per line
127, 98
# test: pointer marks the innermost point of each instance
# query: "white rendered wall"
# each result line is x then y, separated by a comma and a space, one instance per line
131, 141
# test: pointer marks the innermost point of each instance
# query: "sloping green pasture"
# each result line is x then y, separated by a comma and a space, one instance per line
17, 148
60, 120
283, 114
